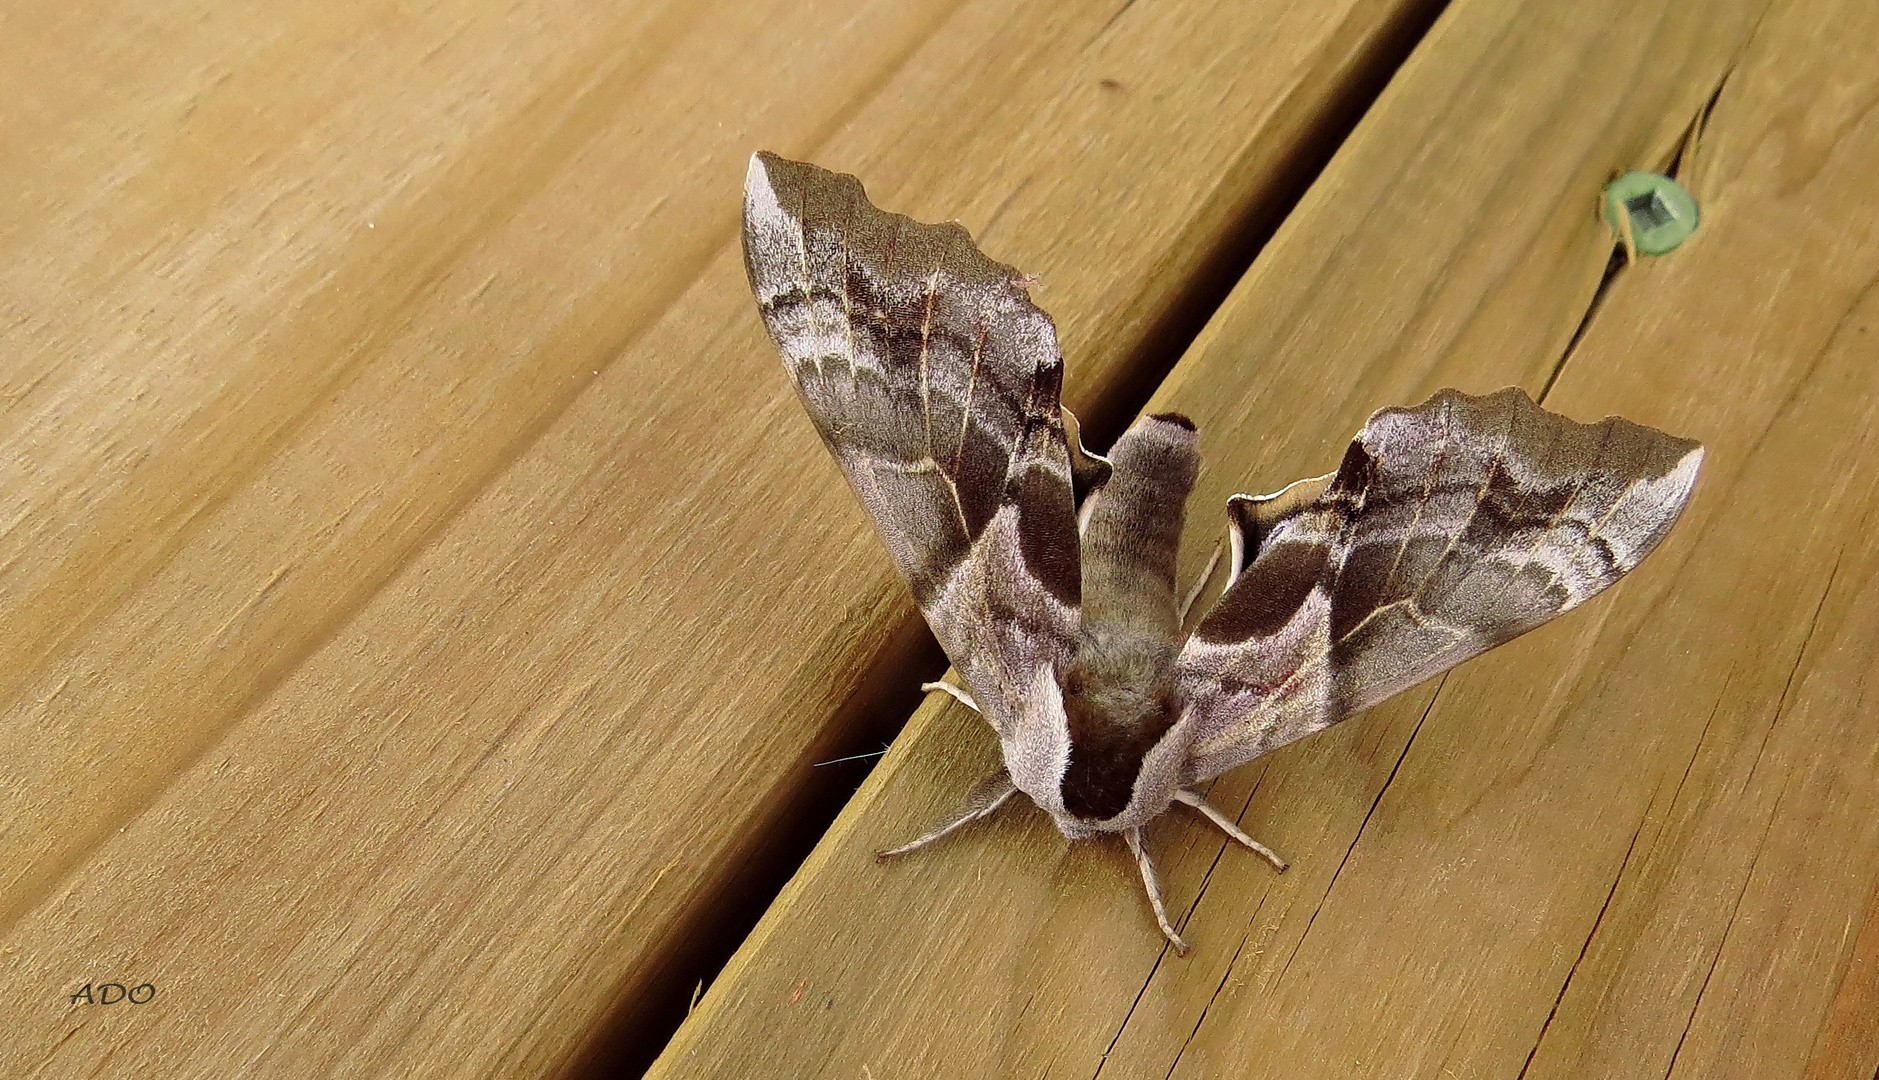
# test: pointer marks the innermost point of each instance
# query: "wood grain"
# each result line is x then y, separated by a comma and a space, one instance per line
423, 601
1641, 841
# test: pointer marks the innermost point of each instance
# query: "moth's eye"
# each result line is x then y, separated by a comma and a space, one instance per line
1073, 683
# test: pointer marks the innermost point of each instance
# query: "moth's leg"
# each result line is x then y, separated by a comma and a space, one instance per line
1193, 799
1200, 584
1153, 885
986, 796
957, 692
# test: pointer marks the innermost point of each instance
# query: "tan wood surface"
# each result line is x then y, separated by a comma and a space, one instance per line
423, 600
1640, 842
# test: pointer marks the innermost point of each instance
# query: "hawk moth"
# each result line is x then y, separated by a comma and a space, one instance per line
1048, 573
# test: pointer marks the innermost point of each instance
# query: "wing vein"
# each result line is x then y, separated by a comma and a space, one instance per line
926, 380
1481, 494
1428, 487
802, 269
848, 305
972, 389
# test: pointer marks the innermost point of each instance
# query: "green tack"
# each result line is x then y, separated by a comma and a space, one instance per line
1661, 212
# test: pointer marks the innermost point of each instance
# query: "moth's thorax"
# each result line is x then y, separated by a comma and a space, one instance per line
1040, 755
1119, 704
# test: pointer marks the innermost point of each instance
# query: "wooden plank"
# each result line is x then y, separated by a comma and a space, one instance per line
424, 601
1638, 842
1743, 929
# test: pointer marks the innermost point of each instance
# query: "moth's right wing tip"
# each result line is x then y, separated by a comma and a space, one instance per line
1689, 466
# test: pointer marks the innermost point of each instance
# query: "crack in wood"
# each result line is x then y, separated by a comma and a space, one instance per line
1368, 814
1585, 947
1716, 957
1619, 259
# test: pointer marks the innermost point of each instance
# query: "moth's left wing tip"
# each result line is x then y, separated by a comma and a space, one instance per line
760, 183
795, 214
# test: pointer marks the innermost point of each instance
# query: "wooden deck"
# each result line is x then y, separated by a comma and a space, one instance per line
426, 604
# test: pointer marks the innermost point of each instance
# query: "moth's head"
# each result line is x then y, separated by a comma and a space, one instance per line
1150, 783
1097, 759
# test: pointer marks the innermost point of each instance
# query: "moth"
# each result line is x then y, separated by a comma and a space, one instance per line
1048, 572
